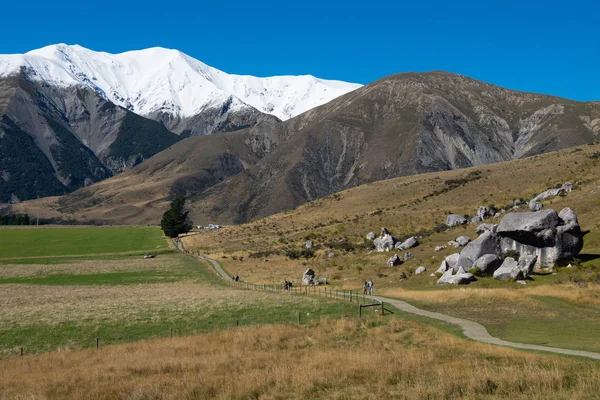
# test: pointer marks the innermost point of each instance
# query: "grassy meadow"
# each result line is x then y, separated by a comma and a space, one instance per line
52, 300
535, 313
60, 288
324, 359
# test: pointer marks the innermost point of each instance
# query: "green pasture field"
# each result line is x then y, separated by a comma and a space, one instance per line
73, 285
51, 242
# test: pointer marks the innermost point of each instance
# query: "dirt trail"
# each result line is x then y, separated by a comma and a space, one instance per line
476, 331
471, 329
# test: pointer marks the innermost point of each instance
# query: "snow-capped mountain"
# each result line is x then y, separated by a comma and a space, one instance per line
158, 81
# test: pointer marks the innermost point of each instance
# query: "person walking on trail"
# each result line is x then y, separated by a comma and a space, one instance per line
365, 288
370, 284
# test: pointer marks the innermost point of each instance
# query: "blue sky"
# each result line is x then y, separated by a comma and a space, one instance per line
548, 47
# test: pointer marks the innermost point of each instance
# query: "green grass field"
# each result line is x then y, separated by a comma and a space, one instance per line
44, 242
63, 287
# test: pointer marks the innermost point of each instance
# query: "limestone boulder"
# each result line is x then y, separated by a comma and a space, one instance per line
463, 263
482, 213
476, 219
548, 194
525, 226
486, 243
526, 264
443, 267
385, 241
549, 236
487, 264
460, 278
486, 228
535, 206
408, 243
308, 278
463, 240
370, 236
452, 260
455, 219
393, 261
509, 269
420, 270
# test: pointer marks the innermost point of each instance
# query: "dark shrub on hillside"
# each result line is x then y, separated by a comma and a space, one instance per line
295, 254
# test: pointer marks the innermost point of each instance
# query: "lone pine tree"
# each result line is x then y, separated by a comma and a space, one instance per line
174, 220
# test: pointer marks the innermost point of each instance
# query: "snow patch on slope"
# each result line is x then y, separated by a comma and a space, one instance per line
162, 80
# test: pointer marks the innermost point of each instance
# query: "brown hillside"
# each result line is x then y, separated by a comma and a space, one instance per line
401, 125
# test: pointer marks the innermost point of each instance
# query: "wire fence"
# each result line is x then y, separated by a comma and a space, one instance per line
362, 300
314, 290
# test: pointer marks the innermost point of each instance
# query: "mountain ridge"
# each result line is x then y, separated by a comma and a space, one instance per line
400, 125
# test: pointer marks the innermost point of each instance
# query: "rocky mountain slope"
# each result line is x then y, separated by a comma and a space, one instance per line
401, 125
70, 116
56, 140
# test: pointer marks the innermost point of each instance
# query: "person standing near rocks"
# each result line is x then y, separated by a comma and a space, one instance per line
370, 285
365, 288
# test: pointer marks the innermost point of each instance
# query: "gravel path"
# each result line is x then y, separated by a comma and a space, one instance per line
477, 332
216, 266
471, 329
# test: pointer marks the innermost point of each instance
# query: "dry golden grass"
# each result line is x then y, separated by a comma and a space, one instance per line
80, 267
400, 205
32, 305
329, 359
572, 293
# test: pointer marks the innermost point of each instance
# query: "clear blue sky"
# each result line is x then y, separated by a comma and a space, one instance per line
542, 46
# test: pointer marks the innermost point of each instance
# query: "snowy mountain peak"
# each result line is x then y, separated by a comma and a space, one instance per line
159, 80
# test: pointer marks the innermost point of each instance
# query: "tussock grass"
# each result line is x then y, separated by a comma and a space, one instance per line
328, 359
570, 292
565, 315
406, 205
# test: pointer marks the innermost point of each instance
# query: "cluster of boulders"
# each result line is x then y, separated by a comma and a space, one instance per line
388, 242
396, 260
535, 204
512, 249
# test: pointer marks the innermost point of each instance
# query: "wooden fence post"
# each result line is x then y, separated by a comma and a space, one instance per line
325, 291
22, 351
382, 309
360, 311
237, 323
298, 318
97, 343
171, 332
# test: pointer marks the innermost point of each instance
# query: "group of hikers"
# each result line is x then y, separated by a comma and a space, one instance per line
368, 288
235, 278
